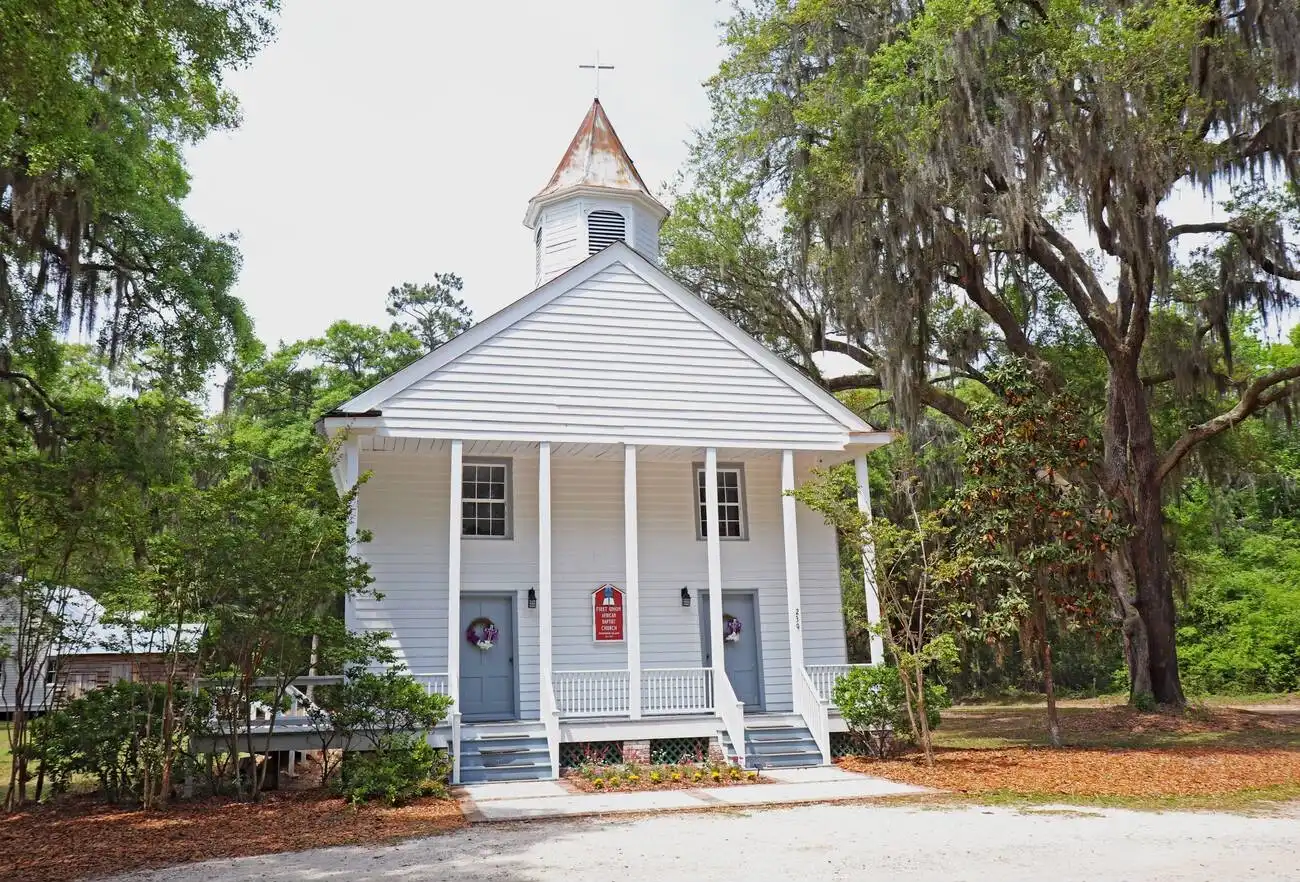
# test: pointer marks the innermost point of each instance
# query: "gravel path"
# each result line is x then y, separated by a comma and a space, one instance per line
814, 842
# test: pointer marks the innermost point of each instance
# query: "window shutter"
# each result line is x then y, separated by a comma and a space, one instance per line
604, 228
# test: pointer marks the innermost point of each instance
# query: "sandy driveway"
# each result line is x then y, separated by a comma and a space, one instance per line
815, 842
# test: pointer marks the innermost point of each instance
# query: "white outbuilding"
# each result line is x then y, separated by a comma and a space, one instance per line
579, 513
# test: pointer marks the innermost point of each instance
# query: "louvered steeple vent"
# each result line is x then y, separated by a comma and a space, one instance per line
594, 198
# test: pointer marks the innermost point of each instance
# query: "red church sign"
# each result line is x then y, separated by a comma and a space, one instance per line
607, 613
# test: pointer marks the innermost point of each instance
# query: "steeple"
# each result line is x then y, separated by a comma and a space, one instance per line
594, 198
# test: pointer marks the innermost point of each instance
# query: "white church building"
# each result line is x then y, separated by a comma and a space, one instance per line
578, 509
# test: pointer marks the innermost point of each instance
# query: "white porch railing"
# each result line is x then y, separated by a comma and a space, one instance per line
823, 679
732, 712
676, 691
434, 684
592, 693
551, 720
815, 711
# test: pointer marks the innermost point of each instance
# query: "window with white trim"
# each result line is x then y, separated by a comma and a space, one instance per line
731, 503
485, 499
604, 228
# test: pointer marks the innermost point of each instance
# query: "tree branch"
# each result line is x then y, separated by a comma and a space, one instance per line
1248, 241
1259, 394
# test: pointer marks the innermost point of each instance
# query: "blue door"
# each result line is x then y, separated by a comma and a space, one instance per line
743, 658
487, 673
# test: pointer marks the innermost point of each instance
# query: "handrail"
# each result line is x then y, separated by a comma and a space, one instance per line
454, 745
824, 676
551, 719
815, 711
732, 712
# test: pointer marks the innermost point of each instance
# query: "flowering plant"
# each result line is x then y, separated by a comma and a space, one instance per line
482, 633
730, 628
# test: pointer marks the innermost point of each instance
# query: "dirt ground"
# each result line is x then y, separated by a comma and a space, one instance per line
1222, 756
80, 838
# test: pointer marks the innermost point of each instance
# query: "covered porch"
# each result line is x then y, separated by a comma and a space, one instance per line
663, 679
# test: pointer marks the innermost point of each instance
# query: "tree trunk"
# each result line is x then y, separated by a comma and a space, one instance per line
1049, 680
1137, 653
1139, 489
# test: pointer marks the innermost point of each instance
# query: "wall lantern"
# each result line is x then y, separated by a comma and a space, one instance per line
686, 596
532, 598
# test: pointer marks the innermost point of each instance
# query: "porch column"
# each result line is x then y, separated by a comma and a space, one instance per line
715, 561
631, 577
351, 474
792, 599
869, 561
453, 579
544, 557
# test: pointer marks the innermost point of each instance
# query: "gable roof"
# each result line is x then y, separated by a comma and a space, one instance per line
619, 255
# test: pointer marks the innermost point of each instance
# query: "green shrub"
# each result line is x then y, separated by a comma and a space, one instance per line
385, 718
408, 768
112, 734
1240, 623
874, 705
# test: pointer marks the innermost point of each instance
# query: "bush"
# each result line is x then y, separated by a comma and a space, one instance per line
874, 705
384, 719
406, 769
1240, 623
112, 734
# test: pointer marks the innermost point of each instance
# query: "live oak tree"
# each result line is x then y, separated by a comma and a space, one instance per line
933, 188
97, 103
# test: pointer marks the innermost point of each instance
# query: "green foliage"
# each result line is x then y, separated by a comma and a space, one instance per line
432, 313
97, 104
1240, 623
113, 734
874, 705
385, 717
407, 768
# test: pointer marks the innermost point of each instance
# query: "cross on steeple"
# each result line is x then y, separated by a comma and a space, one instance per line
597, 67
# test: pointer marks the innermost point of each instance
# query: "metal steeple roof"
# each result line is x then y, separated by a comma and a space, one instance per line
596, 158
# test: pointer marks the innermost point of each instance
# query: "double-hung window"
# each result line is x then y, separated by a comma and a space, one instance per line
731, 503
485, 499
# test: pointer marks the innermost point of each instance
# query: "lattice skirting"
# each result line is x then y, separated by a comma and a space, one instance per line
668, 751
596, 753
842, 745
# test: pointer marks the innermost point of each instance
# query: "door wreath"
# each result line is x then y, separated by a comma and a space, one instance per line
730, 628
483, 633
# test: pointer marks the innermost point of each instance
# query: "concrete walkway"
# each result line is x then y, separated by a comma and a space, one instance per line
517, 801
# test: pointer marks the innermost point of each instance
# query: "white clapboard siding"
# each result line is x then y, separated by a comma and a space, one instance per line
822, 612
646, 236
405, 506
563, 240
612, 359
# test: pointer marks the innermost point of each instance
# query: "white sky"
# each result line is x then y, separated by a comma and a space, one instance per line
386, 141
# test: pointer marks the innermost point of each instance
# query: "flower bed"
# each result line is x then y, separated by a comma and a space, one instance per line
686, 776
